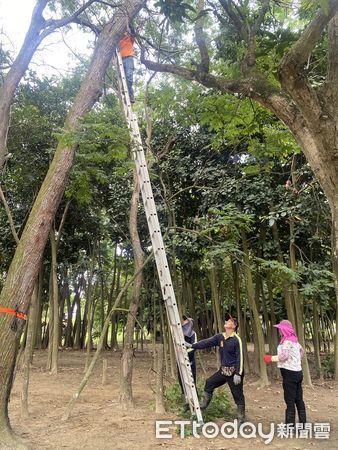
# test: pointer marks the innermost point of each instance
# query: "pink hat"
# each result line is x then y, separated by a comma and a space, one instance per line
287, 331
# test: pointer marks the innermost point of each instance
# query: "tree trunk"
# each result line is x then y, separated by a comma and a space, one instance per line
50, 322
28, 354
23, 271
215, 298
257, 326
335, 268
90, 303
126, 395
77, 325
316, 342
285, 284
298, 305
242, 334
159, 408
55, 300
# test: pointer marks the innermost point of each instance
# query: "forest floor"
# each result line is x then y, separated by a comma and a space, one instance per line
98, 422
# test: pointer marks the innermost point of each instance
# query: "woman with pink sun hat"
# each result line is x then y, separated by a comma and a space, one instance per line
288, 359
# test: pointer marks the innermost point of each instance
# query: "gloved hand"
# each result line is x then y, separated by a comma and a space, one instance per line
188, 345
237, 379
267, 359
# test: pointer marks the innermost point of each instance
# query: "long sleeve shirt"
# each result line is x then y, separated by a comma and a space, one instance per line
289, 355
230, 349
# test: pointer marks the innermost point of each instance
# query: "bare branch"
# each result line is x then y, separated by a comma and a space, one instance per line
62, 223
80, 21
51, 25
261, 16
9, 215
235, 19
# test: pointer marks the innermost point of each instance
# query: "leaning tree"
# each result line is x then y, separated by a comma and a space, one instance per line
23, 271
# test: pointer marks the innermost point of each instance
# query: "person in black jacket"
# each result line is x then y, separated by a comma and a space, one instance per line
190, 338
231, 370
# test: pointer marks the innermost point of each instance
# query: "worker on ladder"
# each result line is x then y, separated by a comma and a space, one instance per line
126, 48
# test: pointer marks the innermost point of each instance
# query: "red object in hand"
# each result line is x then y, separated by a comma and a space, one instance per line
267, 359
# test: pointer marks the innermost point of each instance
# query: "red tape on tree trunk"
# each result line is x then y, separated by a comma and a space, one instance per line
13, 312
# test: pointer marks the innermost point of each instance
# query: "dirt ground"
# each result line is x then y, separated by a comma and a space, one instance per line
98, 422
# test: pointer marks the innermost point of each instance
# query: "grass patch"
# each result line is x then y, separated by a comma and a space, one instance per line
219, 407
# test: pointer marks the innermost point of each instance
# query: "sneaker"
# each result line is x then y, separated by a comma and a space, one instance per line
132, 99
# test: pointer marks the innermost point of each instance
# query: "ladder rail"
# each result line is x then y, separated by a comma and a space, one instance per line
156, 237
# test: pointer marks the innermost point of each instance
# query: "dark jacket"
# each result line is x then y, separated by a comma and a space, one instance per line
191, 353
230, 350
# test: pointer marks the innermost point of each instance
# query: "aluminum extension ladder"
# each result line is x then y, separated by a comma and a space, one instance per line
158, 247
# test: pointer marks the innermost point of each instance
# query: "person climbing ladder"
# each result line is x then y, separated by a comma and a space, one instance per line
126, 48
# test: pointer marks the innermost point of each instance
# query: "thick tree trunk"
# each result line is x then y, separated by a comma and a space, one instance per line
126, 395
25, 265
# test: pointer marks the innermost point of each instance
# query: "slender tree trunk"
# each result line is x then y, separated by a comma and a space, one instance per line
126, 396
77, 325
90, 303
285, 284
28, 353
257, 326
334, 209
38, 338
51, 313
215, 298
159, 408
206, 309
55, 293
316, 343
237, 290
110, 296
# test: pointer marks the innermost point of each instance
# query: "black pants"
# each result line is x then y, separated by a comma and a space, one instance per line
218, 379
293, 395
193, 370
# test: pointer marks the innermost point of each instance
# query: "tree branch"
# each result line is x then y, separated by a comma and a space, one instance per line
51, 25
62, 223
251, 87
9, 215
200, 39
291, 69
301, 50
261, 16
332, 70
235, 19
79, 21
